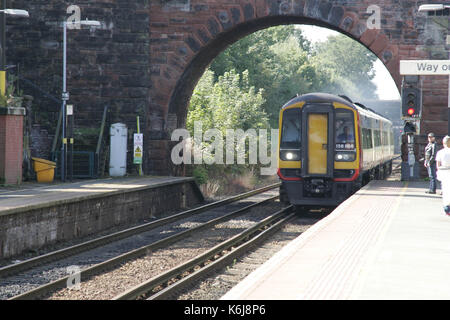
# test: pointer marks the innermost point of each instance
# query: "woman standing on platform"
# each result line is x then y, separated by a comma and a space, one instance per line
443, 174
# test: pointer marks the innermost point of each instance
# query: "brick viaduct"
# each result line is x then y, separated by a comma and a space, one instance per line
148, 55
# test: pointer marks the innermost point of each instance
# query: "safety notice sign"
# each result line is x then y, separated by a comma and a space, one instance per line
138, 148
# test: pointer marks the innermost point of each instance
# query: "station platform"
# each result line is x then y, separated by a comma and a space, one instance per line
35, 214
389, 241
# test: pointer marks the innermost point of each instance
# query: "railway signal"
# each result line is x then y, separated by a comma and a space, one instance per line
411, 103
410, 128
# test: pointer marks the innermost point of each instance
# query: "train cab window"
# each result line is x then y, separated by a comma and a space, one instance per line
345, 130
291, 132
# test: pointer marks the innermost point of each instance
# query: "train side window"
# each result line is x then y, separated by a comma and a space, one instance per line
291, 132
385, 138
377, 138
345, 129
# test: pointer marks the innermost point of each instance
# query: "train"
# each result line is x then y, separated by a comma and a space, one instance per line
329, 147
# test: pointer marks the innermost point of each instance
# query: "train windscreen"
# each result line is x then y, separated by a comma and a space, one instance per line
291, 132
345, 130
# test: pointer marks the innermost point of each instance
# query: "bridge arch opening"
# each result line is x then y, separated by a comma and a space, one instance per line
205, 55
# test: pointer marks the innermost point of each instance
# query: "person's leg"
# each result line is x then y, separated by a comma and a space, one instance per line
433, 180
432, 175
445, 184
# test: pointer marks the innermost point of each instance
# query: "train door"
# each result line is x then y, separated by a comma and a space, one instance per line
317, 127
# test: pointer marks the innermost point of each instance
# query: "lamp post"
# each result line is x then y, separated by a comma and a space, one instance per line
3, 13
440, 7
65, 93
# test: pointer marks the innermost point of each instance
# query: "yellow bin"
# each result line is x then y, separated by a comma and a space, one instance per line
44, 169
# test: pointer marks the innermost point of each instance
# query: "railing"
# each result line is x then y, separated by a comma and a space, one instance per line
83, 164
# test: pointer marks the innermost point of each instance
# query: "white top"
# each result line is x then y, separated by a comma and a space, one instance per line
443, 173
443, 156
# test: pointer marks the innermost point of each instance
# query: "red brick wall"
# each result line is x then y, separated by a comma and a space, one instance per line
11, 149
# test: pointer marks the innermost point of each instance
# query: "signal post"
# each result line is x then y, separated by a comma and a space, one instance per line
412, 103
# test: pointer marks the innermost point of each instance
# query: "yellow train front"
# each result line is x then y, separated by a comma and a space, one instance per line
329, 147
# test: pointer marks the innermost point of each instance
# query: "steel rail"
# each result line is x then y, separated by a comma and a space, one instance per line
134, 254
75, 249
249, 237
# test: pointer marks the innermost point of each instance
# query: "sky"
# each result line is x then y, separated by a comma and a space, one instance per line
386, 88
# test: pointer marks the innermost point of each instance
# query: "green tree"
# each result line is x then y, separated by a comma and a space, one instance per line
229, 103
276, 59
348, 67
282, 62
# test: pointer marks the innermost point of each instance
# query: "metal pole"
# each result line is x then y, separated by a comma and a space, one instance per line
71, 147
139, 131
3, 44
448, 105
64, 100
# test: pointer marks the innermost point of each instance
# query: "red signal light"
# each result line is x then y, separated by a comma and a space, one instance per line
411, 111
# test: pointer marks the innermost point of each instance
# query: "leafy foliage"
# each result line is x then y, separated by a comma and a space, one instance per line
284, 63
246, 85
229, 103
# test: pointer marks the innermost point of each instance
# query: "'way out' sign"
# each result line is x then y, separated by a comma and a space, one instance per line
425, 67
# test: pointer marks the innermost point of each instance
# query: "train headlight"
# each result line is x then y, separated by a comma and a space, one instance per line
345, 156
290, 155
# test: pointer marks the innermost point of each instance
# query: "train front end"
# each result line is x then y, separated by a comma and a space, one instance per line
319, 158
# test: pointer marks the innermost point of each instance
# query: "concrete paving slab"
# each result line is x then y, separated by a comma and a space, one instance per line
388, 241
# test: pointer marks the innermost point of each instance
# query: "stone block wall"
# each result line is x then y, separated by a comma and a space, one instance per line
33, 228
107, 65
148, 55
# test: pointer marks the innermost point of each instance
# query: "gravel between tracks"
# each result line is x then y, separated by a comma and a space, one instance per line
109, 284
218, 284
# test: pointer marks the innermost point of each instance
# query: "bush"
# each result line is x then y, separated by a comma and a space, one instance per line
200, 175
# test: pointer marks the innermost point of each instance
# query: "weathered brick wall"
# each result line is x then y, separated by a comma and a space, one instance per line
109, 65
148, 56
187, 34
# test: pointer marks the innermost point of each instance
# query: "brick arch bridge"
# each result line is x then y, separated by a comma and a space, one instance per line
149, 54
187, 35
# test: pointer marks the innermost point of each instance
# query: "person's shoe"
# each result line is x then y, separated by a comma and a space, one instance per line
430, 192
447, 210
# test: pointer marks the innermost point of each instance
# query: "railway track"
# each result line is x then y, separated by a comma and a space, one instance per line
72, 250
44, 290
178, 278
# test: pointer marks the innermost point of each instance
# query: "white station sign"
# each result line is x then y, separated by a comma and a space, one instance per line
425, 67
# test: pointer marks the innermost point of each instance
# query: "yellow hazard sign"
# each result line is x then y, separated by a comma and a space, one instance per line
138, 148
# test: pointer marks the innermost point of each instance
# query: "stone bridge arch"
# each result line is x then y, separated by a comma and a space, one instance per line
205, 53
147, 55
187, 35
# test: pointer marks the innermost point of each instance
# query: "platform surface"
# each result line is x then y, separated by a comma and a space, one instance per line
390, 240
35, 195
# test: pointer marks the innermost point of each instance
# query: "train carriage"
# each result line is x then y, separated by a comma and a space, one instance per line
329, 147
